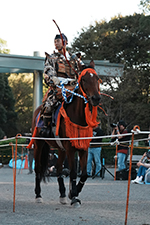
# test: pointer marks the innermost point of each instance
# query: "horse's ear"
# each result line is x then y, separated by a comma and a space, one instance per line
92, 64
47, 55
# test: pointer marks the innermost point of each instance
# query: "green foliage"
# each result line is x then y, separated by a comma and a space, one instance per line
6, 150
7, 101
122, 40
8, 115
3, 48
145, 5
22, 87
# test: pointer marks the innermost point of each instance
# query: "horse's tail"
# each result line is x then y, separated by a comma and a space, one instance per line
44, 160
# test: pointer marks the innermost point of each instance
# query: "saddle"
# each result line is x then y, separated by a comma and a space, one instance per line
40, 123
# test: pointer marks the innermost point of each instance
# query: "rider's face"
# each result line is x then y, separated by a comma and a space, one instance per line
58, 44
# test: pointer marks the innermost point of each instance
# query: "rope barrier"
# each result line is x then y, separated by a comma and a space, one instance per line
7, 139
92, 143
136, 130
65, 139
6, 145
81, 138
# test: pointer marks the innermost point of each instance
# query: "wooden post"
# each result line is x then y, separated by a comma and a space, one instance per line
115, 162
14, 174
129, 176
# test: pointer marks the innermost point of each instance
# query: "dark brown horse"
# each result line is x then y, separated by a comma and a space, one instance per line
79, 114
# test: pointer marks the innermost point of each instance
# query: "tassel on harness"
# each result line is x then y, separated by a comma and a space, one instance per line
34, 133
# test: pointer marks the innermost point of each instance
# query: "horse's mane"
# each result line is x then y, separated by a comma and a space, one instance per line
87, 67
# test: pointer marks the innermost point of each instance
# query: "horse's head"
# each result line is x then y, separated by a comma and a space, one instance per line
89, 85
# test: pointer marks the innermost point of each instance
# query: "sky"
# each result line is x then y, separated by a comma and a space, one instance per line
27, 25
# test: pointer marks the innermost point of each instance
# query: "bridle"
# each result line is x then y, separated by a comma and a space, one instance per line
92, 71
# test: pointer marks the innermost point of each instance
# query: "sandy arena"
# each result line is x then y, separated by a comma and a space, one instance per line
103, 202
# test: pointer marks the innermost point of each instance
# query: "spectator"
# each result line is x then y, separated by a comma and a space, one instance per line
52, 164
143, 167
148, 140
30, 156
123, 149
94, 152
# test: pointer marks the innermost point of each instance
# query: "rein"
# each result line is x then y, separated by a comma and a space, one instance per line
84, 95
64, 90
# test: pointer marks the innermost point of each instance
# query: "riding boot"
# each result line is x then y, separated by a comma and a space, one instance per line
46, 130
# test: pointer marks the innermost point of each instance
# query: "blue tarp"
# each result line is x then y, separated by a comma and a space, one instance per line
20, 164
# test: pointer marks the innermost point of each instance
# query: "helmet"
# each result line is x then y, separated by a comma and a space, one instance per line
58, 36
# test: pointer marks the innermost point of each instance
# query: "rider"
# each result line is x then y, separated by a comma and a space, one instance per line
57, 71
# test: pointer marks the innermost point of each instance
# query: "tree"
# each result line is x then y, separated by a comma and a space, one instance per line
7, 101
8, 115
145, 5
3, 48
22, 87
122, 40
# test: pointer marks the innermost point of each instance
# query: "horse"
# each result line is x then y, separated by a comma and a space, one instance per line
77, 119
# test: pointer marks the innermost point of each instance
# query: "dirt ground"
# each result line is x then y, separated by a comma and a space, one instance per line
103, 202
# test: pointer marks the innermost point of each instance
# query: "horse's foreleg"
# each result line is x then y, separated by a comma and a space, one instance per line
62, 188
83, 164
72, 184
75, 202
73, 192
81, 182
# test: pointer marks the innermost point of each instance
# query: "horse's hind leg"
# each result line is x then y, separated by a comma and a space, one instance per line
38, 196
38, 176
60, 179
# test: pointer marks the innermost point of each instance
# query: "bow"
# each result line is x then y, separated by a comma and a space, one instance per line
64, 49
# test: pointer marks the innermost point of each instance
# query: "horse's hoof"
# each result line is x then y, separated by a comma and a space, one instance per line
75, 202
39, 200
63, 200
76, 205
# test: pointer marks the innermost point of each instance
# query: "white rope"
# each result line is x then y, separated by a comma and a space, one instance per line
137, 131
81, 138
144, 132
6, 139
23, 145
5, 145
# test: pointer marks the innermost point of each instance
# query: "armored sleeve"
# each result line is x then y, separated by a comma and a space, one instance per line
50, 74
